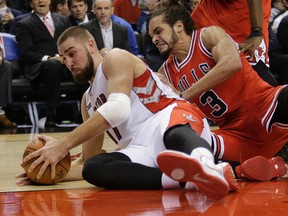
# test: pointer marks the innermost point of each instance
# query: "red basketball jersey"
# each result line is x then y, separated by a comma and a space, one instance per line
243, 105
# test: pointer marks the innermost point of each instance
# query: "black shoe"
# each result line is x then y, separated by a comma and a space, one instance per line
6, 123
50, 121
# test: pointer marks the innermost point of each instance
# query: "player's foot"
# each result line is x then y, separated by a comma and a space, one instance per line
226, 170
260, 168
183, 168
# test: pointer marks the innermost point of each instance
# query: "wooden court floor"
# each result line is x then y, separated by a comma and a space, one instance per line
80, 198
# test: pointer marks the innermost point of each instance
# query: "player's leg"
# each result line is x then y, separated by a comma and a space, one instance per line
244, 157
263, 169
116, 171
189, 159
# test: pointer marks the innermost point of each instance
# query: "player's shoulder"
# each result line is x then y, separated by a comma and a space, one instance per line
116, 55
212, 33
212, 29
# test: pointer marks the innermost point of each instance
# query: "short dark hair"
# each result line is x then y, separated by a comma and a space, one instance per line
70, 2
77, 32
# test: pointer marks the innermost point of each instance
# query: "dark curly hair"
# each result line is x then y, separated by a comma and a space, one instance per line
173, 11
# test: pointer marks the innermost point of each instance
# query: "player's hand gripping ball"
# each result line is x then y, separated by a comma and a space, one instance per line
62, 168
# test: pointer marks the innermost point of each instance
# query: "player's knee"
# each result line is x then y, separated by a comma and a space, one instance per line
183, 138
93, 172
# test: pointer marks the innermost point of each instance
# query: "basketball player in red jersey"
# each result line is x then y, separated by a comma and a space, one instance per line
246, 22
205, 67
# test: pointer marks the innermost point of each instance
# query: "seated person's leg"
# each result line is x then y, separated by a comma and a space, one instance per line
6, 93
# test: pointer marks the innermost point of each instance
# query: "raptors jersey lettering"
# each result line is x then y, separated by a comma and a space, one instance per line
233, 17
151, 100
242, 110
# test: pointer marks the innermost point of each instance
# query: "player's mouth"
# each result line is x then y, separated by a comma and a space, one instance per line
160, 46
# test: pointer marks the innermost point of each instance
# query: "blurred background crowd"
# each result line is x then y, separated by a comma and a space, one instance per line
32, 70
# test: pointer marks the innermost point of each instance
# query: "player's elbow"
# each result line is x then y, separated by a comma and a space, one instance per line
238, 64
116, 110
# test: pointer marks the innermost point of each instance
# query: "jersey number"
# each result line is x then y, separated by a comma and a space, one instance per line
216, 104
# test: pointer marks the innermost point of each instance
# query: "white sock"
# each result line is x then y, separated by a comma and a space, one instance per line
168, 182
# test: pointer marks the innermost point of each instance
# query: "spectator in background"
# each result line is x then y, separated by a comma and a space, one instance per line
5, 91
38, 49
193, 4
282, 12
107, 34
146, 6
21, 5
151, 54
278, 60
78, 10
277, 7
282, 35
128, 10
60, 6
7, 16
133, 44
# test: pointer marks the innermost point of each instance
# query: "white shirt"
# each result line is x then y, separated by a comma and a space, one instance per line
84, 21
107, 35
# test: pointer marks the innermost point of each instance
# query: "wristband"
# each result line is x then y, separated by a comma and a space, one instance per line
255, 32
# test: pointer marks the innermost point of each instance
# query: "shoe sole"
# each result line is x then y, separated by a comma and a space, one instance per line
230, 177
182, 168
262, 169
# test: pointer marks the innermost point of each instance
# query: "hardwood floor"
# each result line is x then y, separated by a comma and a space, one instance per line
80, 198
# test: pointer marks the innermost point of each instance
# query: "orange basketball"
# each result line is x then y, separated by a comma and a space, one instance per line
62, 168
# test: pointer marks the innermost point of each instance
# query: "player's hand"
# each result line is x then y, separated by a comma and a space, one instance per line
75, 156
23, 179
249, 46
50, 154
166, 82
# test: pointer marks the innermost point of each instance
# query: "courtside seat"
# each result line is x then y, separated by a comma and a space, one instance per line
21, 89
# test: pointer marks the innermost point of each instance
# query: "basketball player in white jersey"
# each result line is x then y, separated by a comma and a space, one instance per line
143, 116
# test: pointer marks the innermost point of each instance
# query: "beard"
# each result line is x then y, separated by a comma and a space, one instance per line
87, 73
172, 42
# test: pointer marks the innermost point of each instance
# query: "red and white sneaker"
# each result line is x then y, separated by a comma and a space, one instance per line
260, 168
183, 168
226, 170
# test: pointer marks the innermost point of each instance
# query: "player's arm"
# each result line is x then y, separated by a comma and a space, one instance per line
256, 22
120, 79
227, 59
94, 145
119, 76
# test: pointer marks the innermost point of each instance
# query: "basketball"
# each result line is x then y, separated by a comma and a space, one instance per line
62, 168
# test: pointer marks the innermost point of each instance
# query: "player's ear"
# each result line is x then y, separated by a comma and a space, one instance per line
92, 45
178, 26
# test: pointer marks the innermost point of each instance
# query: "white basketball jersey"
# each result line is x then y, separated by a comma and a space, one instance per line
148, 96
